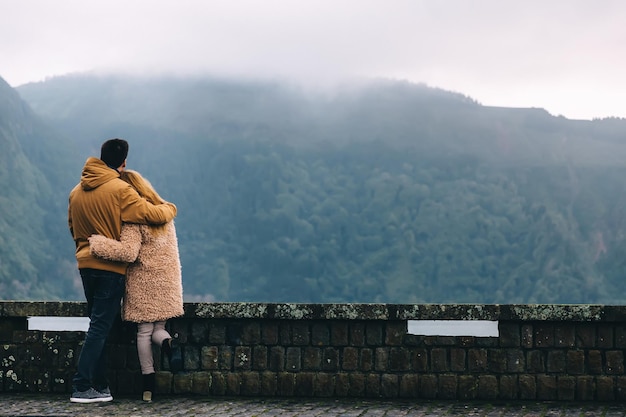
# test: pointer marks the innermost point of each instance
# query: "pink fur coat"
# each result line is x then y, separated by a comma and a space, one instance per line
154, 290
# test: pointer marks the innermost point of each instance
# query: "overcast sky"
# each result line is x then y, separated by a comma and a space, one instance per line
567, 56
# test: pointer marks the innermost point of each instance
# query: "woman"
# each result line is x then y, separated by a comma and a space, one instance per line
154, 291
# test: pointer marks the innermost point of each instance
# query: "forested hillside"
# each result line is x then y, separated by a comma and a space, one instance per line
379, 192
34, 175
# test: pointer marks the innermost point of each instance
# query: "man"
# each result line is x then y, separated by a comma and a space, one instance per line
99, 204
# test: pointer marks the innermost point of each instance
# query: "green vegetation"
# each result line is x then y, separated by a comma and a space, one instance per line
385, 192
32, 216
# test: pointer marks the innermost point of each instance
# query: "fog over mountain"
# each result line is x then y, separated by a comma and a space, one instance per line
563, 55
377, 191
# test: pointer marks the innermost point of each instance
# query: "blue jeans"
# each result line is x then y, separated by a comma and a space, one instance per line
104, 291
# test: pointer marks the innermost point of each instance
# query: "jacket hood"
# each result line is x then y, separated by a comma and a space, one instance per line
95, 173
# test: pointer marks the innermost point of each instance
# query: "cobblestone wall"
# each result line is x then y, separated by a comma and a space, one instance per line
342, 350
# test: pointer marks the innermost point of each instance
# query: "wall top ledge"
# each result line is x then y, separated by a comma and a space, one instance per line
356, 311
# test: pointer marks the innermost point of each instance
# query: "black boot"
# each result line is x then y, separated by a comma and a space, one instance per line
174, 354
148, 386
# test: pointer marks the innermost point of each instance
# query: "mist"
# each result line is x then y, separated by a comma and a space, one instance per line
564, 56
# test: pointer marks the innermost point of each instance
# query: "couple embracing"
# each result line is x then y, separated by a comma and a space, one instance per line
126, 249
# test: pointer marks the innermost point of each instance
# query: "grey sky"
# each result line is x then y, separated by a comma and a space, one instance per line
566, 56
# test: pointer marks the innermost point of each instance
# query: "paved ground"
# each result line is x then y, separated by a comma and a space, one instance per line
58, 405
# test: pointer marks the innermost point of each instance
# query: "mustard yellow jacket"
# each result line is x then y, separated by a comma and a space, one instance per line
99, 204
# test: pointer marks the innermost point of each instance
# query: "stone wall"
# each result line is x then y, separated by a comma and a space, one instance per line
543, 352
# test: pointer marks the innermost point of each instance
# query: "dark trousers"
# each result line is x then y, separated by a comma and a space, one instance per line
104, 291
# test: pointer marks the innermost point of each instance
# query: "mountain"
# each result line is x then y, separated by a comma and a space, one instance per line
33, 164
383, 191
